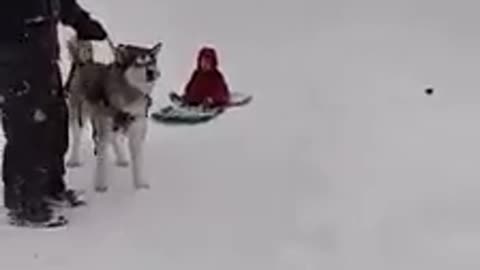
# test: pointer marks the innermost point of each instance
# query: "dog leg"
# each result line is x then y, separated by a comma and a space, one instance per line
74, 159
118, 148
136, 136
101, 158
101, 169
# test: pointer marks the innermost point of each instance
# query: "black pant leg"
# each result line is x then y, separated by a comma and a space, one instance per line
30, 154
59, 118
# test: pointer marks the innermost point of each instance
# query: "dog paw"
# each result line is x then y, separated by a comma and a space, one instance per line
101, 189
142, 186
122, 163
73, 164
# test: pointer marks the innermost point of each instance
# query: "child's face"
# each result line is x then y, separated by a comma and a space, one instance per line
205, 63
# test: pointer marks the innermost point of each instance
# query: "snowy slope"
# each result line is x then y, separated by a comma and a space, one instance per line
341, 162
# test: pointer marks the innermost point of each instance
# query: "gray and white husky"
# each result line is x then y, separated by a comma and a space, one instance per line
115, 99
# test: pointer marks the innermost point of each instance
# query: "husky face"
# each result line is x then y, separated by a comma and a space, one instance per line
139, 65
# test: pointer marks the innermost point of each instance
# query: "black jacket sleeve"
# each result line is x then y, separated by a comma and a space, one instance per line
72, 14
11, 20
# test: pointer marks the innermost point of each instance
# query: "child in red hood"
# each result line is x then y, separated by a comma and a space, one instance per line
207, 85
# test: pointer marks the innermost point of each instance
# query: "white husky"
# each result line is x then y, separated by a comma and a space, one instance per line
115, 98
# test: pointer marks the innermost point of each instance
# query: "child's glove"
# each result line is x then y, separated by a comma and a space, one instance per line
208, 102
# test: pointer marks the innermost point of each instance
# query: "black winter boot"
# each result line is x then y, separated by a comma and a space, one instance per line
68, 198
36, 215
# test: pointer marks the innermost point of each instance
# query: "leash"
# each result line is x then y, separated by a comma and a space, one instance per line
111, 44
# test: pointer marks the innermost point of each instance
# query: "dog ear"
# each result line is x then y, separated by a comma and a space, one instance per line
156, 48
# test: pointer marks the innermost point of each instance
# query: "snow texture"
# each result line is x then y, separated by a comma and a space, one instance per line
39, 116
341, 162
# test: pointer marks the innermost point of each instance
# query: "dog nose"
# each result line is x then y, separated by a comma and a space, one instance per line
150, 75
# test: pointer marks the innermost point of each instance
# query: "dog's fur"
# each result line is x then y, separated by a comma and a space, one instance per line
115, 99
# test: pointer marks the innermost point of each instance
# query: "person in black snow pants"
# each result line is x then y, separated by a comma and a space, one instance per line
34, 112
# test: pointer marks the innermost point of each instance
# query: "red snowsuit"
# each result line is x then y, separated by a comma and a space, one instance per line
207, 86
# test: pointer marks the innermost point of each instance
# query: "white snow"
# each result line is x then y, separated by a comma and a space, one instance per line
340, 162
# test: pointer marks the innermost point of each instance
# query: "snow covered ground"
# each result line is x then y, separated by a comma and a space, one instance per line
341, 161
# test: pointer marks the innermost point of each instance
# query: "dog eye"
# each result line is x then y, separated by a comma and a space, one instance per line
143, 60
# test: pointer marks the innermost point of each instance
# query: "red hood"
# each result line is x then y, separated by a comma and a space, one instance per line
209, 53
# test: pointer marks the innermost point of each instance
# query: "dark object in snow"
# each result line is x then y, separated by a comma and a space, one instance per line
429, 91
